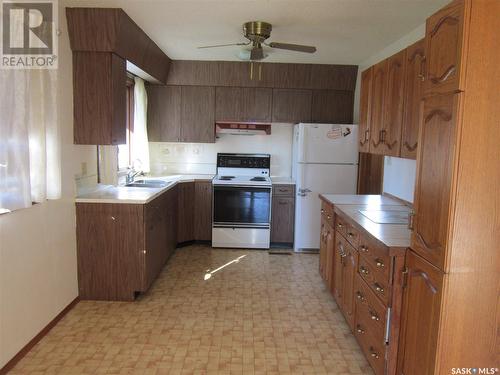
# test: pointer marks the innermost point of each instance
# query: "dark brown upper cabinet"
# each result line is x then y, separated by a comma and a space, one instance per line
198, 114
393, 104
332, 106
333, 77
103, 40
164, 113
243, 104
291, 105
99, 98
444, 36
415, 59
365, 110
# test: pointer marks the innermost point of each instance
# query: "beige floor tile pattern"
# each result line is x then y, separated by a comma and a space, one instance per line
265, 314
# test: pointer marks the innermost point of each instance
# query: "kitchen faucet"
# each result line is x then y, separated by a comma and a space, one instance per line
131, 174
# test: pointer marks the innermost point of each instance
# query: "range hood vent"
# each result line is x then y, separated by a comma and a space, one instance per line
242, 128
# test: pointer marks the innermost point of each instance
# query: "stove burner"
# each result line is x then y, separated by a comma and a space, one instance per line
226, 178
258, 179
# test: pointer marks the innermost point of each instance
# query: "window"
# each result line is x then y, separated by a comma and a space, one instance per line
125, 150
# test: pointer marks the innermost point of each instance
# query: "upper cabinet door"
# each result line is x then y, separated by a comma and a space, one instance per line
420, 317
379, 87
365, 110
393, 104
164, 113
332, 106
243, 104
291, 105
228, 104
198, 114
415, 59
444, 38
434, 177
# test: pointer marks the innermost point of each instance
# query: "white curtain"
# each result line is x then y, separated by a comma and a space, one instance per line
30, 169
139, 141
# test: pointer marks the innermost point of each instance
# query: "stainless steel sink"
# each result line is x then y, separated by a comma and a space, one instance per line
149, 183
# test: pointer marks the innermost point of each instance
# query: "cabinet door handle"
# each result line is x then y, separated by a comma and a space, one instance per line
421, 75
379, 262
373, 353
339, 225
411, 216
282, 202
359, 329
350, 234
364, 249
328, 217
322, 211
378, 288
374, 316
364, 271
360, 296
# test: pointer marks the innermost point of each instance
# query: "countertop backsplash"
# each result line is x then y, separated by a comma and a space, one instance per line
200, 158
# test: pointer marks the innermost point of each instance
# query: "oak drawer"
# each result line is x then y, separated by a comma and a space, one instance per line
341, 225
327, 212
377, 256
375, 280
352, 235
284, 190
370, 316
373, 347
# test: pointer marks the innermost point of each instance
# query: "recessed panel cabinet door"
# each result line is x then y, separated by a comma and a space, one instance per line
393, 104
365, 110
420, 317
350, 265
415, 56
198, 114
444, 41
434, 178
164, 113
322, 248
338, 266
379, 87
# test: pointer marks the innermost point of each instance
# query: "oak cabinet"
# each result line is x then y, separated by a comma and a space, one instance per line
379, 88
420, 317
197, 114
444, 37
322, 248
415, 60
349, 266
434, 178
203, 210
332, 106
186, 212
283, 214
365, 110
99, 98
390, 131
291, 105
164, 113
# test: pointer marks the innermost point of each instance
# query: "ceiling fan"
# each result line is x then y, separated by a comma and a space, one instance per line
257, 32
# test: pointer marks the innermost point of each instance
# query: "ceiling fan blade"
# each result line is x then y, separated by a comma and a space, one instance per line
257, 53
293, 47
225, 45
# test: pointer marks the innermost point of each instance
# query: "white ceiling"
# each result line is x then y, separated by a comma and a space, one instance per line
344, 31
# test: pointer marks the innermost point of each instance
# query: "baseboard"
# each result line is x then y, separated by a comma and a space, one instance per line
10, 365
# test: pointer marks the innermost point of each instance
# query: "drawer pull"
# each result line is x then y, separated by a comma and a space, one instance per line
351, 235
374, 316
283, 190
379, 263
378, 288
373, 353
282, 202
360, 296
328, 217
359, 329
364, 271
363, 248
322, 211
339, 225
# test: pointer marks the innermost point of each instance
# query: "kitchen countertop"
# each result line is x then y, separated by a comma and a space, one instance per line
135, 195
391, 235
282, 180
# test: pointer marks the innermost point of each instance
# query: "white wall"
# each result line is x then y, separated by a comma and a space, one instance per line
38, 277
399, 174
196, 158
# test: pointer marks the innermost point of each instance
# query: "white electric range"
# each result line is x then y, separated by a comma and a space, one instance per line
242, 193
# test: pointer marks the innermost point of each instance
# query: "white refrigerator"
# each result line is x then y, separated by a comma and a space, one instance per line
325, 160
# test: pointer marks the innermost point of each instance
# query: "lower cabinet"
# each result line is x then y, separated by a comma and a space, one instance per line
283, 214
420, 317
203, 211
185, 213
121, 248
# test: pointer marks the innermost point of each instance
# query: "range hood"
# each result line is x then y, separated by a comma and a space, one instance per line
242, 128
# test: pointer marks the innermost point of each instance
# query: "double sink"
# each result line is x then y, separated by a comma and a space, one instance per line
149, 183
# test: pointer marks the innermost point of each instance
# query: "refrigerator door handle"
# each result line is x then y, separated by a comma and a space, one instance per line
300, 194
305, 190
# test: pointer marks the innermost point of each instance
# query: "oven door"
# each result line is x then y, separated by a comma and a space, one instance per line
242, 206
